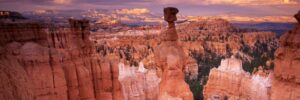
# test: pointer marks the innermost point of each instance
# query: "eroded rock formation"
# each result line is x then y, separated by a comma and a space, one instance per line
170, 59
251, 38
55, 64
62, 63
230, 82
138, 83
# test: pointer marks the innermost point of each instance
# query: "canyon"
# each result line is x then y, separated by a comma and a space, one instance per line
208, 59
230, 82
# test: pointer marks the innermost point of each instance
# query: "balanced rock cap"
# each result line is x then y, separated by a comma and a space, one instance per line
297, 16
170, 14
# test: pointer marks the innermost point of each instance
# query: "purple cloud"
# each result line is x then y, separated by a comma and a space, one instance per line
187, 7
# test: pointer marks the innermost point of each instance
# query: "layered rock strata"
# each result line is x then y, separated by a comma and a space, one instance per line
55, 64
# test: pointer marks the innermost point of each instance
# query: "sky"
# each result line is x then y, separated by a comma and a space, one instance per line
186, 7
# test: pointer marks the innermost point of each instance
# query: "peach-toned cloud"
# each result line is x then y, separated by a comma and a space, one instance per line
251, 2
62, 1
230, 2
237, 18
134, 11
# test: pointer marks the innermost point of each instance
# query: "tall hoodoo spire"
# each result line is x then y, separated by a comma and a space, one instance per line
170, 59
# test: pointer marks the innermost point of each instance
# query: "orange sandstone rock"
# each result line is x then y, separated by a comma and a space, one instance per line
138, 83
170, 59
59, 64
230, 81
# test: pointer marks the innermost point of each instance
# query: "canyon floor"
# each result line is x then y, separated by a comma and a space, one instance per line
209, 59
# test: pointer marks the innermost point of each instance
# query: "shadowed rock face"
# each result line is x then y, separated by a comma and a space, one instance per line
170, 14
170, 59
15, 83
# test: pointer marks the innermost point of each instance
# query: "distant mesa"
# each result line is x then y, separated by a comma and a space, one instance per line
11, 15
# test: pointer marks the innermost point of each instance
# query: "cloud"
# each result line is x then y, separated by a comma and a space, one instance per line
62, 1
134, 11
187, 7
251, 2
230, 2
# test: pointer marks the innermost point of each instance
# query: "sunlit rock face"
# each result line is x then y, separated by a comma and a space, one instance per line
286, 80
225, 81
138, 83
230, 82
170, 59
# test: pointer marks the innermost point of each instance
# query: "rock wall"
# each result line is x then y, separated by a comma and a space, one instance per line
15, 84
22, 32
55, 64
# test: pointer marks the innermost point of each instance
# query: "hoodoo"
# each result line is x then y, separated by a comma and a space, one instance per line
170, 59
